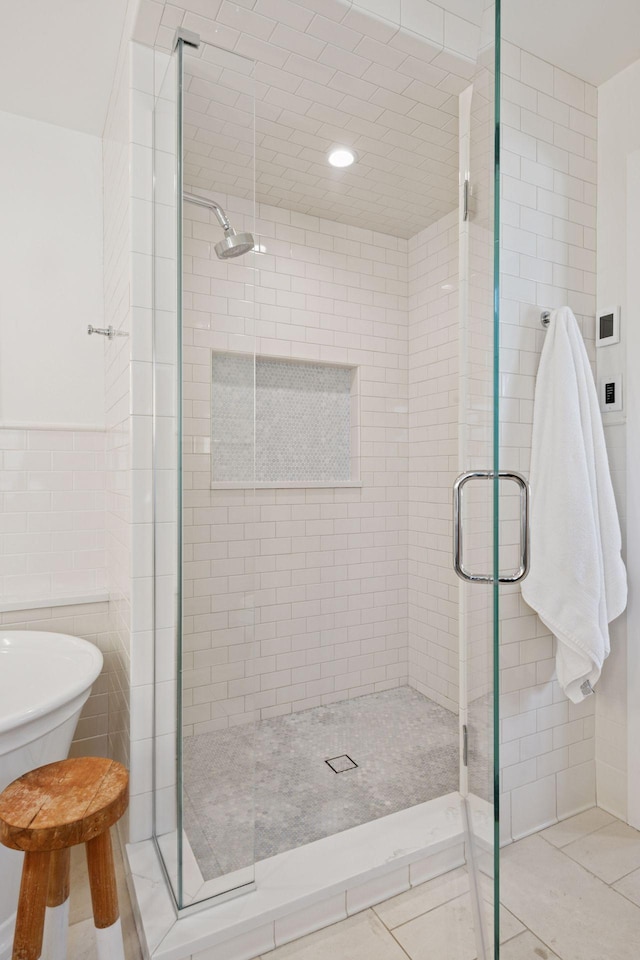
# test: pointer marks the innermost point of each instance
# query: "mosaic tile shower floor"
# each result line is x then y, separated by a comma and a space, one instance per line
253, 791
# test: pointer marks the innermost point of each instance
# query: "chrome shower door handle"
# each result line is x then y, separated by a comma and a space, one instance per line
458, 526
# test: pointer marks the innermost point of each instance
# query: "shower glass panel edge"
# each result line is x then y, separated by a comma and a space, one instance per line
173, 442
165, 599
496, 486
478, 455
216, 731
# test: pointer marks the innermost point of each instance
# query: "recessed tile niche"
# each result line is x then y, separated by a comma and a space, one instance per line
283, 422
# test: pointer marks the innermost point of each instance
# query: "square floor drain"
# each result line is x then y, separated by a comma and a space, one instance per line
341, 764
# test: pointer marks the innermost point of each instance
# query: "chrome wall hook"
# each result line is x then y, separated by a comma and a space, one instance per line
109, 332
103, 331
545, 318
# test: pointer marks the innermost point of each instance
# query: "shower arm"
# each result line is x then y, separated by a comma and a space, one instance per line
221, 216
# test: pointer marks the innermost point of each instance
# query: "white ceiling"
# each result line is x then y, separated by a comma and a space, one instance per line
325, 74
59, 58
592, 39
402, 125
367, 73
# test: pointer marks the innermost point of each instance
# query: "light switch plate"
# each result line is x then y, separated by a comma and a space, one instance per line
610, 393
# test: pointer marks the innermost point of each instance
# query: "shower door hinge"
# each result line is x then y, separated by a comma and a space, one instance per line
465, 745
465, 200
188, 37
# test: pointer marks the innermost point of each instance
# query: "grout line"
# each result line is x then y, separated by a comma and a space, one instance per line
424, 912
624, 896
544, 943
391, 934
519, 934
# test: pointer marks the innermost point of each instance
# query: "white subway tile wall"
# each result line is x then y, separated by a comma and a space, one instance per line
52, 540
91, 622
117, 382
151, 203
548, 221
618, 143
434, 347
325, 569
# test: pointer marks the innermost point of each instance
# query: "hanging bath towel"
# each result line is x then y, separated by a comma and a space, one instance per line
577, 581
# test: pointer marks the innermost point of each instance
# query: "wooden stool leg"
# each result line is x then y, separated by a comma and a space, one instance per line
104, 897
27, 942
56, 922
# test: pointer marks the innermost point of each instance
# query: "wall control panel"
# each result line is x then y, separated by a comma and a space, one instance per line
610, 393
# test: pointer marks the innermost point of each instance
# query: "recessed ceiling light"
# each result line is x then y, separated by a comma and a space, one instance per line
341, 157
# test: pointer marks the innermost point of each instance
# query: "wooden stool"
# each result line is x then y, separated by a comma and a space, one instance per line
44, 813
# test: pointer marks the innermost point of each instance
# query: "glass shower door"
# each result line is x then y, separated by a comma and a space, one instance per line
219, 644
204, 461
478, 489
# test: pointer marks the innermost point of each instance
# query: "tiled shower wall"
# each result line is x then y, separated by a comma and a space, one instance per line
548, 222
433, 346
328, 566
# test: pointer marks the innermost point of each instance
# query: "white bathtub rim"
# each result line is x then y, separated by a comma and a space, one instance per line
43, 701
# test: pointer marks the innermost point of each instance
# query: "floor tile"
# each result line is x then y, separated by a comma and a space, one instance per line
425, 897
526, 947
80, 903
447, 932
361, 937
610, 853
81, 932
82, 941
577, 827
629, 886
578, 916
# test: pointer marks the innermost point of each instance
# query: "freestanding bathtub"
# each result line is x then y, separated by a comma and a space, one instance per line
45, 680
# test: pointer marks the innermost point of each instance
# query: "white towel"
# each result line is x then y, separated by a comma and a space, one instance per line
577, 582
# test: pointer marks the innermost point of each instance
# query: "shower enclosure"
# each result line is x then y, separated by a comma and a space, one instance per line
325, 367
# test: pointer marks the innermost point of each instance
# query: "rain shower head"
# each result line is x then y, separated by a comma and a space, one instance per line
232, 244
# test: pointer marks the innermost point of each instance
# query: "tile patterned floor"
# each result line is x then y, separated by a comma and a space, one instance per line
257, 790
571, 892
555, 907
81, 931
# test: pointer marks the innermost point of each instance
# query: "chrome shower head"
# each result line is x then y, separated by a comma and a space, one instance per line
233, 244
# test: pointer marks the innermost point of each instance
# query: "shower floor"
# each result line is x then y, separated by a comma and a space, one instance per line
256, 790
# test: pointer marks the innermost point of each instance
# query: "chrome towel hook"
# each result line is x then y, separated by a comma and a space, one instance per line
109, 332
103, 331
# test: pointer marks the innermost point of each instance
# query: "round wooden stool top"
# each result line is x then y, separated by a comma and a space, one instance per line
63, 803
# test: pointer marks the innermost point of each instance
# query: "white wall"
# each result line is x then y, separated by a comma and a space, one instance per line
618, 256
51, 372
52, 533
548, 258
